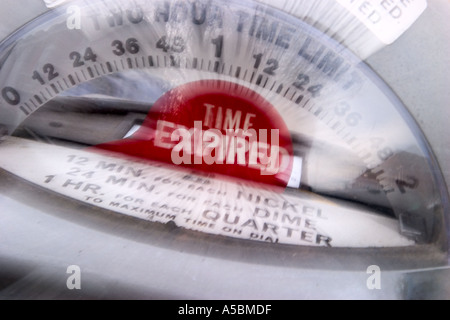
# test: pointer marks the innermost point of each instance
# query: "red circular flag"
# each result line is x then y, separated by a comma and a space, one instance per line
214, 126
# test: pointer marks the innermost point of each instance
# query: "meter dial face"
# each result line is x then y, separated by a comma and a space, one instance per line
225, 118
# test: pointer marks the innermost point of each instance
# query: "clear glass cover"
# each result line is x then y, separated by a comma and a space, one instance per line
224, 122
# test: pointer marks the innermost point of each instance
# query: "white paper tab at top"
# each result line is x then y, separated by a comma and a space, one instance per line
387, 19
54, 3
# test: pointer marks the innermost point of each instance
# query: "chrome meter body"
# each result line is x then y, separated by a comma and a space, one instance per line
223, 149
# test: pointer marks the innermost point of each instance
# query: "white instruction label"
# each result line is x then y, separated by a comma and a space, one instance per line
206, 204
387, 19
